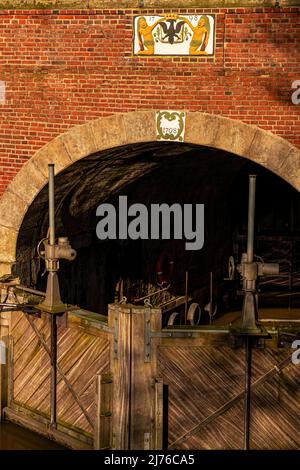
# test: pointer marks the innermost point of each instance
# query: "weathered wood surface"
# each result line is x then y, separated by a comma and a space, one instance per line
201, 379
134, 388
103, 421
159, 415
4, 359
81, 357
120, 318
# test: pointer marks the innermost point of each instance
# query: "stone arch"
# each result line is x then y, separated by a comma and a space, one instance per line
244, 140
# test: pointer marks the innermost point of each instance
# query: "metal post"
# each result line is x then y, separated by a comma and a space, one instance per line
51, 205
249, 311
251, 218
52, 304
186, 296
53, 384
53, 391
210, 297
247, 401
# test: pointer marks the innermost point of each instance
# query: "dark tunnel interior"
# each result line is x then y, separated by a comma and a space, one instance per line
156, 173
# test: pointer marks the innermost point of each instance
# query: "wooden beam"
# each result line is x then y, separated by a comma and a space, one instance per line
120, 319
159, 414
63, 437
4, 332
134, 375
103, 401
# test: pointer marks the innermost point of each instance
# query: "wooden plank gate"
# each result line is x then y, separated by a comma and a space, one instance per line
124, 382
83, 365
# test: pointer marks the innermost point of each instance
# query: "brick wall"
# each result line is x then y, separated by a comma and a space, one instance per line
65, 67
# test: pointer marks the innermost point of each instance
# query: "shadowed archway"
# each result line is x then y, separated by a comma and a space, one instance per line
235, 137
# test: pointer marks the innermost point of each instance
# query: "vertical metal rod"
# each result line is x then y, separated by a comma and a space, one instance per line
53, 383
186, 296
51, 205
53, 371
247, 401
251, 217
210, 297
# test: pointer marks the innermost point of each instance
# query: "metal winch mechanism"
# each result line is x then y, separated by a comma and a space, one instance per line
52, 252
250, 269
248, 329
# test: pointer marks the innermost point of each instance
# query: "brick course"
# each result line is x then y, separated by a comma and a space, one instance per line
66, 67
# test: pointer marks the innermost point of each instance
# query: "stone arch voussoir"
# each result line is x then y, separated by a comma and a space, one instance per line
248, 141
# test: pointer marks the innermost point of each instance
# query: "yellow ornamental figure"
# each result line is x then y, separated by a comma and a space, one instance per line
200, 36
145, 36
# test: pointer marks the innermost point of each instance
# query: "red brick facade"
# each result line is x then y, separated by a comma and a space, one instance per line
63, 68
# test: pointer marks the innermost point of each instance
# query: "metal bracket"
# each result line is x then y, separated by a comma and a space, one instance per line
147, 334
236, 341
116, 331
173, 333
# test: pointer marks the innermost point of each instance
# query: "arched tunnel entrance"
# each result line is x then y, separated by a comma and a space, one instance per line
164, 173
134, 354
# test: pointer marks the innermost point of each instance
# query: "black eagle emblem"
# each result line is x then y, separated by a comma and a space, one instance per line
171, 31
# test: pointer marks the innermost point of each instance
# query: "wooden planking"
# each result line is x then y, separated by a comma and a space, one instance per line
95, 360
22, 334
31, 370
102, 427
36, 396
81, 356
201, 379
122, 375
276, 405
158, 414
39, 398
141, 399
70, 352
